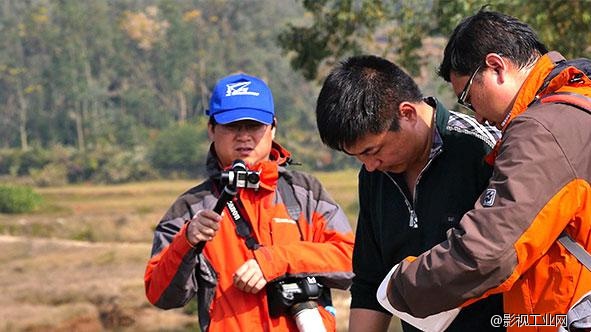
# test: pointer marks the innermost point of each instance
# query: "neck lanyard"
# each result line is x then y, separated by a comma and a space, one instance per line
242, 224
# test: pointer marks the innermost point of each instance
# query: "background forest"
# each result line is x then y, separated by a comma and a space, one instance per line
114, 90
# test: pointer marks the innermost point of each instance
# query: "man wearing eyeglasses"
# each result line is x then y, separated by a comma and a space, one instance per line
229, 260
423, 168
539, 190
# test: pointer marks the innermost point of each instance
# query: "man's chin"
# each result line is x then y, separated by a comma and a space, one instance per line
243, 156
395, 169
249, 160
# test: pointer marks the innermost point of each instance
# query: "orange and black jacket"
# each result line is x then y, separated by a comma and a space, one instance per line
319, 243
508, 242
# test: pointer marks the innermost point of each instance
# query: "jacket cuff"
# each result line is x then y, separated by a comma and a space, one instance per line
270, 267
180, 244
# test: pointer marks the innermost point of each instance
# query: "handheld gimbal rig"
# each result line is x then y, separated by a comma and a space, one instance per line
296, 296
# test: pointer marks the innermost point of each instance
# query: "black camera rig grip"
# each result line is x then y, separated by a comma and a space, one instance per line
228, 193
230, 190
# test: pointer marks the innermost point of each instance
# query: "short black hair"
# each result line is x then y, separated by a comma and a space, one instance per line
489, 32
361, 96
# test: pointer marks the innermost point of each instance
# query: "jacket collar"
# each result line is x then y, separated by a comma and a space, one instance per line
441, 119
533, 88
528, 92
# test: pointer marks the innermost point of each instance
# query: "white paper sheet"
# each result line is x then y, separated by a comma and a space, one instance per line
434, 323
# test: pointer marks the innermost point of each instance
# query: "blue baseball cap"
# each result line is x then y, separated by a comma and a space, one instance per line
241, 97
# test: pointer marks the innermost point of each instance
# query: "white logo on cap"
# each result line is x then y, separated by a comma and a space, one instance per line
240, 88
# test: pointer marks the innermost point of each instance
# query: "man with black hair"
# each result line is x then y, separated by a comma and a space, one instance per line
284, 229
539, 192
423, 168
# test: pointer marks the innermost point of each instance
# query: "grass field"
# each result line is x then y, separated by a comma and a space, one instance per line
77, 263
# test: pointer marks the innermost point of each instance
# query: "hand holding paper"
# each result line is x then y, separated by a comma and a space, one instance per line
434, 323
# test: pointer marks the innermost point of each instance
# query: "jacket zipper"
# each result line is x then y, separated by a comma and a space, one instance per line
415, 192
413, 221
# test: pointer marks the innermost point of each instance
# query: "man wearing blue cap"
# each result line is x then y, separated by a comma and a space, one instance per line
269, 260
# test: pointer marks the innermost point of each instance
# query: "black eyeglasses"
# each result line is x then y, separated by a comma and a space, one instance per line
464, 95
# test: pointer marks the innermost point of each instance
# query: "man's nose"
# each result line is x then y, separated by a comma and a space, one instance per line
371, 164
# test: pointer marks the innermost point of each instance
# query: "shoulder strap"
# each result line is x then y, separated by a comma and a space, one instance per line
573, 99
577, 250
287, 193
560, 63
243, 228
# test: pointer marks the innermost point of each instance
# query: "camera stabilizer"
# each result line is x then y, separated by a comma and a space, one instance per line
240, 176
237, 177
296, 296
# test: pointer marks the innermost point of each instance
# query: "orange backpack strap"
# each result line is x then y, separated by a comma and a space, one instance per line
573, 99
560, 64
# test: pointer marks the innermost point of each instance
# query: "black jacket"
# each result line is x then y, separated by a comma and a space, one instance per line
391, 226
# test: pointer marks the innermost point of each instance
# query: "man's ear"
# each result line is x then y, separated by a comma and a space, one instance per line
407, 111
210, 130
273, 128
498, 64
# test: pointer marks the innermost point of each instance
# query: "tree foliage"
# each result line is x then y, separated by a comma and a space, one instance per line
334, 29
98, 76
18, 199
79, 72
102, 81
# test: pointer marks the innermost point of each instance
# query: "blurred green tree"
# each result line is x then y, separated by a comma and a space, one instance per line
334, 29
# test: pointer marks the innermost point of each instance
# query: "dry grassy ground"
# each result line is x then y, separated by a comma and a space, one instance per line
77, 264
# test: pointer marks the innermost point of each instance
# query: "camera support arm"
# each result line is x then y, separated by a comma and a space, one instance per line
238, 177
228, 193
